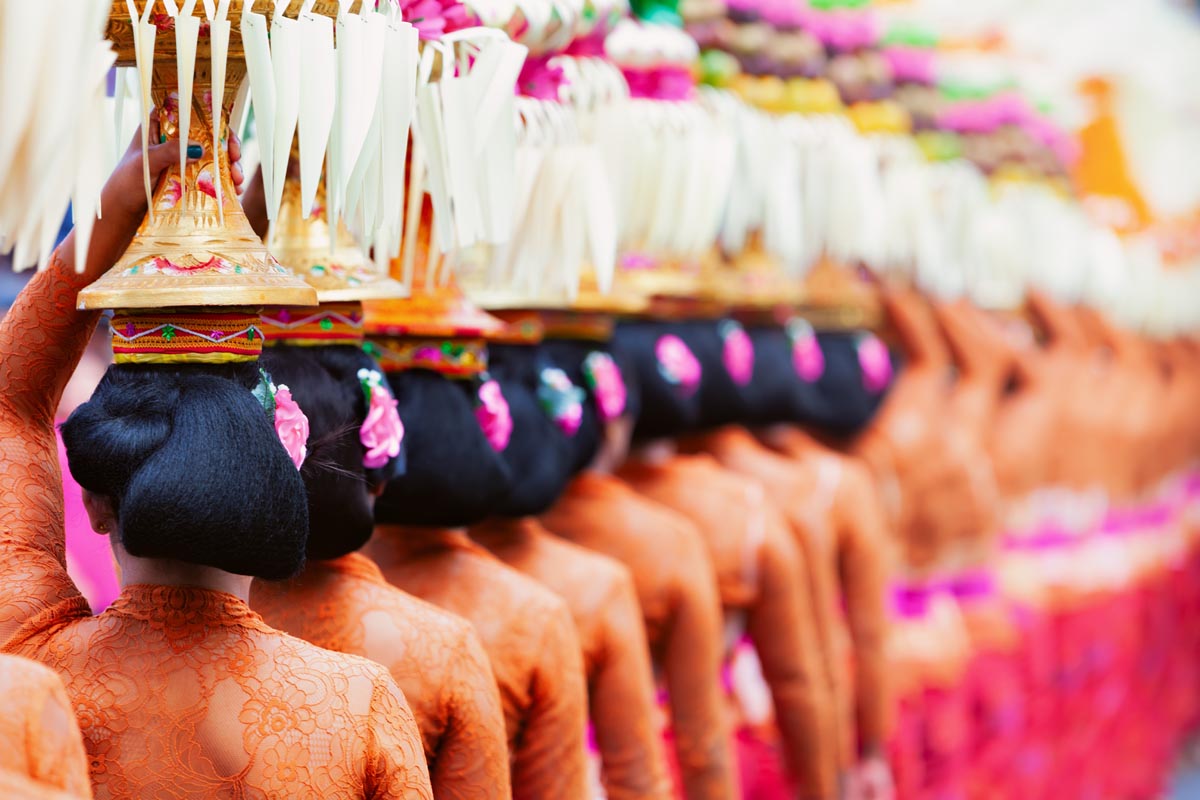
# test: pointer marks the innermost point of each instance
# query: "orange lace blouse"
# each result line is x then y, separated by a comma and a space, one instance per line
39, 737
436, 658
179, 692
599, 593
530, 641
676, 588
757, 562
794, 495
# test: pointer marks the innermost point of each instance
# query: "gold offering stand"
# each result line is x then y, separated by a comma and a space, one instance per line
191, 250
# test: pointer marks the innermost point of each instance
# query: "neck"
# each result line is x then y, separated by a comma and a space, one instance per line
164, 572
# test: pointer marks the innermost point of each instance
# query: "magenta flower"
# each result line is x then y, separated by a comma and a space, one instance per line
434, 18
677, 364
738, 352
604, 378
494, 416
382, 431
291, 425
807, 357
875, 362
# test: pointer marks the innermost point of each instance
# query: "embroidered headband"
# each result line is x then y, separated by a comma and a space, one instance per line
454, 358
166, 336
327, 324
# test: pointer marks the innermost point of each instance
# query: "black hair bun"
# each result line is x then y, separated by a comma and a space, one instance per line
542, 455
324, 382
194, 466
453, 477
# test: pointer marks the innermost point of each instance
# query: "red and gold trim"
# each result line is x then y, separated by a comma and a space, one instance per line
172, 336
327, 324
452, 357
520, 327
587, 326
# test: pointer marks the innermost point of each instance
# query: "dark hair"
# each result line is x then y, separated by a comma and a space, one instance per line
541, 457
722, 401
664, 408
194, 466
776, 393
569, 356
842, 403
452, 477
324, 382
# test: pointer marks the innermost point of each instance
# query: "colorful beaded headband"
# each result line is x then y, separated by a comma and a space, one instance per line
454, 358
327, 324
166, 336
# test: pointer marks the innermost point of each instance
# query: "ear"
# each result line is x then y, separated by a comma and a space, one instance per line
101, 512
377, 489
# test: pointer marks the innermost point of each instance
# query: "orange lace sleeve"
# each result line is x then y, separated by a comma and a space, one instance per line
691, 655
472, 757
782, 625
550, 762
621, 699
396, 765
863, 561
41, 340
38, 732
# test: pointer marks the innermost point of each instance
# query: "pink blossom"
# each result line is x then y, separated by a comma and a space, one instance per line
292, 426
875, 362
676, 363
738, 353
382, 431
807, 356
607, 385
494, 416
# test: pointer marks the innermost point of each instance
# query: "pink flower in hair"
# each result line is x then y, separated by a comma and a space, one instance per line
608, 386
382, 431
807, 357
875, 362
738, 352
291, 425
494, 416
677, 363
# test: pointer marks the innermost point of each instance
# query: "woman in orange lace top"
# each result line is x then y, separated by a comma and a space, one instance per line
756, 559
454, 477
39, 737
342, 602
672, 573
547, 413
179, 688
830, 500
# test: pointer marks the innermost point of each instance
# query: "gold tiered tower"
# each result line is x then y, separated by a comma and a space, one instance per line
187, 252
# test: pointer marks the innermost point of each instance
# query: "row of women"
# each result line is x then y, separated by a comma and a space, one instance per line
439, 565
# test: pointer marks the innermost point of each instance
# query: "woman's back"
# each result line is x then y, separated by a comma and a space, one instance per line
186, 692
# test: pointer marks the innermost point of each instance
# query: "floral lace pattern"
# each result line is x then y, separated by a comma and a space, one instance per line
435, 657
39, 733
862, 553
530, 641
179, 692
599, 593
757, 562
677, 592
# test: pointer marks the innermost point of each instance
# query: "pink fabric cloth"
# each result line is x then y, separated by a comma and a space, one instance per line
89, 557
